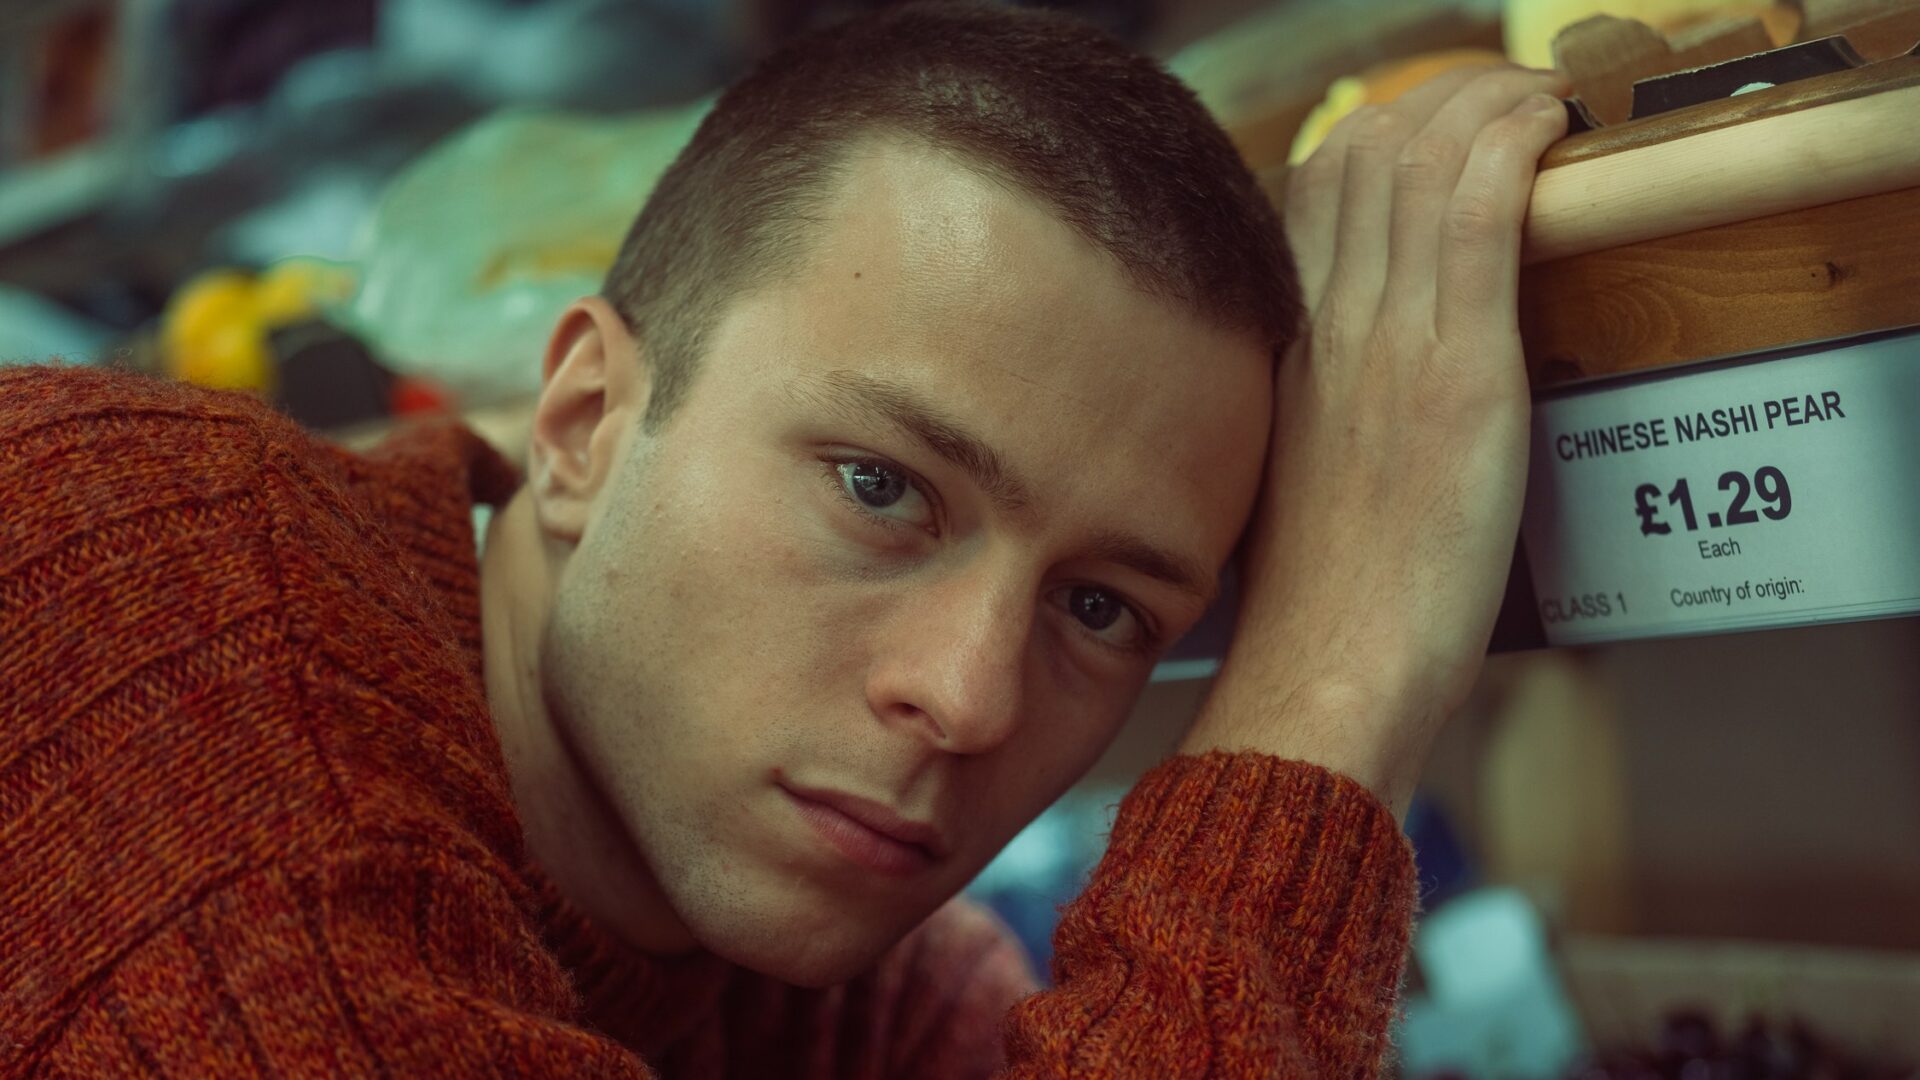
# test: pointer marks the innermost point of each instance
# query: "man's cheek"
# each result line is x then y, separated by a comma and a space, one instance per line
1069, 735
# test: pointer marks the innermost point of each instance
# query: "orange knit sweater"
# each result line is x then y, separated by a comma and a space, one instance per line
254, 819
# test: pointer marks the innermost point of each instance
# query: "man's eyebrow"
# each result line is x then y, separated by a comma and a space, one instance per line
863, 396
1155, 562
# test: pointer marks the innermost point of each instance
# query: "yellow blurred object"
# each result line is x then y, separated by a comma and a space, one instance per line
214, 332
1346, 94
232, 357
1531, 25
213, 299
1376, 86
211, 333
294, 288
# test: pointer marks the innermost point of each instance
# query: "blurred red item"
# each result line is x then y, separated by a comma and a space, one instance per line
412, 396
70, 74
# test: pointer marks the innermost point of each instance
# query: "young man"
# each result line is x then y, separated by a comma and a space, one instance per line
932, 389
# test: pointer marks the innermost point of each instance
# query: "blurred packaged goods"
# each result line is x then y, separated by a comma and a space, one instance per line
76, 102
1265, 74
1683, 1009
476, 247
1282, 77
1493, 995
574, 54
1603, 51
142, 141
1378, 85
1532, 25
66, 73
235, 52
1488, 1002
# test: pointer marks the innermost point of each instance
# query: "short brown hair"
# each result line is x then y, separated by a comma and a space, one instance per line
1120, 149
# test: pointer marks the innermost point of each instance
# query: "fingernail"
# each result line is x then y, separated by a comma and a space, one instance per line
1542, 103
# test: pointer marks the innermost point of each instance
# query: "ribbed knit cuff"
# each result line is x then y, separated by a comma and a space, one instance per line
1263, 839
1295, 878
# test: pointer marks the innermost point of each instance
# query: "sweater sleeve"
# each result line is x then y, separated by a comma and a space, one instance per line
384, 959
1250, 918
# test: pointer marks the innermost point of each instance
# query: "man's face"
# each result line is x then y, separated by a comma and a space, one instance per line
915, 535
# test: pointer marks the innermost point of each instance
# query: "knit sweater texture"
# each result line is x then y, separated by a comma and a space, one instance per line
255, 820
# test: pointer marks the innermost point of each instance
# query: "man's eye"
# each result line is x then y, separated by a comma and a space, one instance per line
884, 492
1109, 617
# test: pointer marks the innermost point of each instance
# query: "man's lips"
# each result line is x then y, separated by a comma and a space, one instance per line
846, 817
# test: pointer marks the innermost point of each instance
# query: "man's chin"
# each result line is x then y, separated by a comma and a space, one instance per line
811, 964
774, 913
806, 949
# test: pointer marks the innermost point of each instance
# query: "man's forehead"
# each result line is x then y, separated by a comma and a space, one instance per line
903, 204
963, 299
915, 172
937, 255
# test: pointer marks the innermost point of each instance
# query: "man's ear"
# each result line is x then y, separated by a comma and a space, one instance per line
596, 386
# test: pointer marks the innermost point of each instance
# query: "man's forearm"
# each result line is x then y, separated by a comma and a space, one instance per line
1347, 728
1352, 702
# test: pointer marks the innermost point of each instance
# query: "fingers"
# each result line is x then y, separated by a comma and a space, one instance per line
1479, 256
1313, 212
1428, 170
1317, 196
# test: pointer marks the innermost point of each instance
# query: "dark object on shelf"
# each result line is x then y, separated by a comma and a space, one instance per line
1715, 82
326, 378
1690, 1046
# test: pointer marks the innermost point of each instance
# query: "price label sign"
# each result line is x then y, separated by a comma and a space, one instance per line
1778, 490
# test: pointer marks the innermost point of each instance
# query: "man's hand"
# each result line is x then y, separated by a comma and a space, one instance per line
1376, 559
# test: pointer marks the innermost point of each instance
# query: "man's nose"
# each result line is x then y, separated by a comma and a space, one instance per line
951, 666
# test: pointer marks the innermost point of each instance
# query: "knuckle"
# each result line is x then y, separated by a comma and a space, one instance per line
1457, 388
1455, 81
1333, 322
1377, 131
1342, 327
1474, 220
1400, 341
1506, 137
1444, 400
1500, 77
1427, 160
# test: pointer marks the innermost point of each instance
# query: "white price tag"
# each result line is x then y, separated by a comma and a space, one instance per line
1780, 490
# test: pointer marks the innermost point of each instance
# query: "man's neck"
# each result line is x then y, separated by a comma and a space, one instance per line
571, 831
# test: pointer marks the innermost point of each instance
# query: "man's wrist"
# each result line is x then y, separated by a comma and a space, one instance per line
1373, 732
